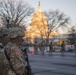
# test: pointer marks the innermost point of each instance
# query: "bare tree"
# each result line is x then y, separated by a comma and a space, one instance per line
56, 19
14, 15
72, 34
14, 12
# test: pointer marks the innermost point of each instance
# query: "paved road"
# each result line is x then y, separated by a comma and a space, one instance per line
53, 65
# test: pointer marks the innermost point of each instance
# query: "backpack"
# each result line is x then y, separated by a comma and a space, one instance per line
13, 57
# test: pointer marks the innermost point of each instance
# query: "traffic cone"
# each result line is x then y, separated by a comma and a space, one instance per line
32, 52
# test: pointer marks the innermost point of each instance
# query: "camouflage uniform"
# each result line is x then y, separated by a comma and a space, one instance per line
50, 48
75, 48
42, 47
62, 48
12, 61
36, 48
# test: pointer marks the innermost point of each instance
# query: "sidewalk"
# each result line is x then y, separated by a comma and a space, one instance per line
68, 54
53, 65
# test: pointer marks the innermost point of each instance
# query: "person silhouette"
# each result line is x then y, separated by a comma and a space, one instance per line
50, 48
62, 48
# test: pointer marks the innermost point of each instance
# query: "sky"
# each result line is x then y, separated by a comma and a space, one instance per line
68, 7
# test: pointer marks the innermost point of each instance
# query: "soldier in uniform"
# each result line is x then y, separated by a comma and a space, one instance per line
62, 48
42, 47
50, 48
36, 47
75, 48
12, 61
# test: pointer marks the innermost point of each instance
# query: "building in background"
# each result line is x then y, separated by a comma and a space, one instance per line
39, 28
